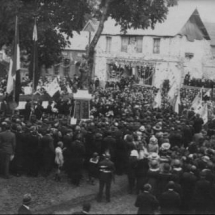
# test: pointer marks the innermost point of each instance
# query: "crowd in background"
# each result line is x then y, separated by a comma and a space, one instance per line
169, 151
198, 82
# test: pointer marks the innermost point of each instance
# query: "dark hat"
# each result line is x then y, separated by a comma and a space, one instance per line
147, 187
171, 185
166, 167
157, 128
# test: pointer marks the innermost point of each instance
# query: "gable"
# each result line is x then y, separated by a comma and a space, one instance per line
192, 31
88, 27
211, 30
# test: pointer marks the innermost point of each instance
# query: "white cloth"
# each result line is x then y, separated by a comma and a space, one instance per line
59, 157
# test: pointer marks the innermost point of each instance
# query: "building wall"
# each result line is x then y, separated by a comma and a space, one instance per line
59, 69
168, 62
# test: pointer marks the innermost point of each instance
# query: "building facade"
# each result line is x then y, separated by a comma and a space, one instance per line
178, 46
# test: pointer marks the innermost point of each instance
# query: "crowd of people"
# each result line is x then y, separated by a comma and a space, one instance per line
166, 155
198, 82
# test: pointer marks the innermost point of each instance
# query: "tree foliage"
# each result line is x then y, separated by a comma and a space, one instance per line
55, 19
128, 14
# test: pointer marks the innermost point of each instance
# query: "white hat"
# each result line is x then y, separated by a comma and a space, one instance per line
142, 128
165, 146
134, 153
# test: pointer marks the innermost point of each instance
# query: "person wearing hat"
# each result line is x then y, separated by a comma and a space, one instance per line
106, 175
153, 145
93, 168
31, 152
165, 176
146, 202
188, 181
131, 169
202, 196
48, 152
170, 200
28, 110
7, 149
153, 176
24, 208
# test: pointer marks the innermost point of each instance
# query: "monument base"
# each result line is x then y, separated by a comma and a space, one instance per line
82, 104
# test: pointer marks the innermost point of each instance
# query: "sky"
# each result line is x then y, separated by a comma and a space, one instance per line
206, 8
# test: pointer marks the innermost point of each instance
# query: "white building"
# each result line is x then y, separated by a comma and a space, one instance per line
179, 45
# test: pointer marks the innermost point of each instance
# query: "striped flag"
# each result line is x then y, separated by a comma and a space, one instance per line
33, 70
13, 83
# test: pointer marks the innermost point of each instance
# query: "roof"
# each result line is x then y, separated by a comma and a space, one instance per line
78, 41
92, 25
175, 21
211, 30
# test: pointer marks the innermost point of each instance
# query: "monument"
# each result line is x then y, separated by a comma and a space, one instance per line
82, 104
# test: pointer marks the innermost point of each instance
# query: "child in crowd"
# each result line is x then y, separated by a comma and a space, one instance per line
93, 168
59, 160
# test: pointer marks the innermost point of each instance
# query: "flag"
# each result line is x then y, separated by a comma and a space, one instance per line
197, 100
13, 83
34, 74
177, 103
157, 100
204, 113
53, 87
208, 93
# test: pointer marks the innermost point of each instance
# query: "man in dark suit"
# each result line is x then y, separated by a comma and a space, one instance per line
170, 201
24, 208
7, 148
188, 182
146, 202
106, 170
202, 194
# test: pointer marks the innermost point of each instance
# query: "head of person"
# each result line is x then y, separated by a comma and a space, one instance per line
60, 144
147, 188
171, 185
27, 199
86, 207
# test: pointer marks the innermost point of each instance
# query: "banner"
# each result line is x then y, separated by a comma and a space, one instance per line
53, 87
157, 100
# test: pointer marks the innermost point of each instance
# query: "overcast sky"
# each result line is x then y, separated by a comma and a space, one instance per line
206, 8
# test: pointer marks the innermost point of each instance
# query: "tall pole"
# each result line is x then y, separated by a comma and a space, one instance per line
34, 66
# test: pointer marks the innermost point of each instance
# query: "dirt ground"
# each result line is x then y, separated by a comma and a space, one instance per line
121, 204
46, 193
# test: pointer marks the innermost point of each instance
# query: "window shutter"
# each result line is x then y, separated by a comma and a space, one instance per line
108, 44
139, 44
124, 46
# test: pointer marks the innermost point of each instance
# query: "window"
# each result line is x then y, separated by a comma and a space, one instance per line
131, 44
108, 44
125, 42
189, 56
156, 46
139, 44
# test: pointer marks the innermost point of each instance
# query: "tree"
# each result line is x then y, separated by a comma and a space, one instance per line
56, 19
128, 14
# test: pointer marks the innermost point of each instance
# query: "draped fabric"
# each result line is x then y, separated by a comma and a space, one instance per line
192, 31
